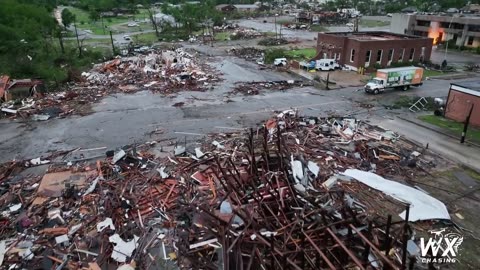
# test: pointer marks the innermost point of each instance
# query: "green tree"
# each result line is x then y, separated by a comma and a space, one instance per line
67, 17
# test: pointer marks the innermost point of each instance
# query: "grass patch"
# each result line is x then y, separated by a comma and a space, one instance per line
373, 23
302, 54
220, 36
318, 28
430, 73
145, 39
285, 21
452, 127
407, 101
101, 27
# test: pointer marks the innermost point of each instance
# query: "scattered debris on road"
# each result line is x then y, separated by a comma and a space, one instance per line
247, 53
273, 41
254, 88
244, 33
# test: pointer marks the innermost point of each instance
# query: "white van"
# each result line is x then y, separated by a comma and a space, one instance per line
326, 64
280, 62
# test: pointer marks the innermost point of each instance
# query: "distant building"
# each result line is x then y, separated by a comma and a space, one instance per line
226, 8
366, 49
462, 29
247, 8
461, 97
472, 8
241, 8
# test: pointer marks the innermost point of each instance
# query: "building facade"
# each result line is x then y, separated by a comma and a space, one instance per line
462, 98
462, 29
368, 49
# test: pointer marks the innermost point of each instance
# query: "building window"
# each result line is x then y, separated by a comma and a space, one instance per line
368, 55
470, 41
412, 53
379, 56
390, 55
352, 55
423, 23
401, 55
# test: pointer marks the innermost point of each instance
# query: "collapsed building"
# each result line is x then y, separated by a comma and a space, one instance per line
294, 193
160, 71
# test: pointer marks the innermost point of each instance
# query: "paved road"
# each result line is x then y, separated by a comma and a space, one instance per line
443, 145
123, 119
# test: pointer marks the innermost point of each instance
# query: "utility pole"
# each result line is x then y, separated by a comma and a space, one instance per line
465, 126
113, 46
103, 25
276, 26
328, 80
78, 41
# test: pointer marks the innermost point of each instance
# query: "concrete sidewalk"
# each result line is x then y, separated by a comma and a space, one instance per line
437, 129
452, 149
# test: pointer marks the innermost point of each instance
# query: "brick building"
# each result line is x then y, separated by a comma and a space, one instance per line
365, 49
461, 98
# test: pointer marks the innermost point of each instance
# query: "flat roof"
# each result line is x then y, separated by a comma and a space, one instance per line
373, 35
471, 85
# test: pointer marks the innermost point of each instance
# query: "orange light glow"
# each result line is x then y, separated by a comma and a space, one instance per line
435, 32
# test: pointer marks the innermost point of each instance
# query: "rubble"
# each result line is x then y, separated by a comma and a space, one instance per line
164, 72
273, 41
244, 33
254, 88
295, 193
247, 53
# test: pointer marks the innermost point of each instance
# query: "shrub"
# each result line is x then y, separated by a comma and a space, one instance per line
270, 55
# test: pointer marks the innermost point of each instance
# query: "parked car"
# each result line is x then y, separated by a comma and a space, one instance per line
127, 37
389, 15
349, 24
132, 24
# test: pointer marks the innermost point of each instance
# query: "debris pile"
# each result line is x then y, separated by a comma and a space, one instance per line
164, 72
273, 41
244, 33
247, 53
296, 193
254, 88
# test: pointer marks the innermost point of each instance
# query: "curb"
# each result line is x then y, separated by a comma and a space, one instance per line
436, 130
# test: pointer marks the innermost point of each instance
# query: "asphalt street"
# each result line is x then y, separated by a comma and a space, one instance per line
144, 116
124, 119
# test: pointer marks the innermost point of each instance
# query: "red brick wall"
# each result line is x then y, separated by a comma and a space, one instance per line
330, 44
458, 107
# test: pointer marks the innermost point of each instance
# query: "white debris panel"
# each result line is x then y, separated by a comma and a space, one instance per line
422, 206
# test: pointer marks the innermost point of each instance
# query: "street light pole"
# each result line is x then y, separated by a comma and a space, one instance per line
446, 43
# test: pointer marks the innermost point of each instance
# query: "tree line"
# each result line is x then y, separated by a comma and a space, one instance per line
32, 43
